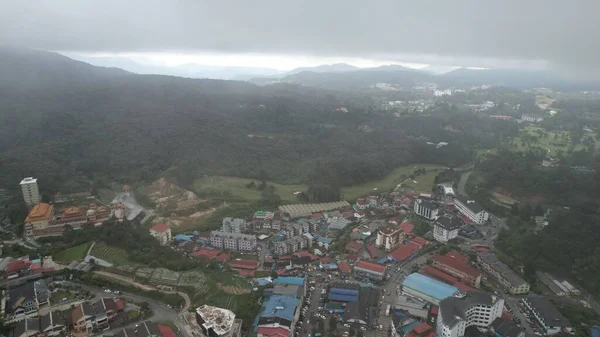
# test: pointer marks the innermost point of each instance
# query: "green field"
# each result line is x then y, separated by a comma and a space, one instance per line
73, 253
110, 254
235, 188
106, 195
551, 141
424, 182
59, 295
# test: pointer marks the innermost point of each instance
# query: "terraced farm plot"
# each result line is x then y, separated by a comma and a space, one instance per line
144, 272
165, 277
110, 254
192, 278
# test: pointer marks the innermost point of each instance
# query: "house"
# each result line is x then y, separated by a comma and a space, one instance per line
27, 298
513, 283
389, 237
354, 246
546, 315
162, 233
16, 268
446, 228
471, 209
426, 209
49, 325
323, 242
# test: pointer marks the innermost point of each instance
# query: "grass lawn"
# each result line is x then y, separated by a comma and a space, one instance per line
133, 314
111, 254
73, 253
389, 182
59, 295
233, 187
546, 140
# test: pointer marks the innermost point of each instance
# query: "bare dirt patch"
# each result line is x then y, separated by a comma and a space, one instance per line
233, 289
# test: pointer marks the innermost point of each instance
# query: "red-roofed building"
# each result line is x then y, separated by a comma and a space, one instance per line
352, 257
272, 332
438, 274
16, 267
404, 252
371, 270
482, 248
162, 233
354, 246
166, 331
208, 253
464, 287
422, 329
223, 257
348, 215
420, 241
456, 265
359, 214
344, 268
326, 260
373, 252
465, 219
407, 227
244, 264
434, 310
285, 257
317, 216
361, 202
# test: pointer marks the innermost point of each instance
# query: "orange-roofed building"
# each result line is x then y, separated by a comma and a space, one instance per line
162, 233
39, 217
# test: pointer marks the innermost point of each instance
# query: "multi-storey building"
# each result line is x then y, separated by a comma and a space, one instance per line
38, 218
217, 322
231, 225
463, 310
446, 228
233, 241
426, 209
162, 233
31, 191
370, 270
389, 237
513, 283
457, 265
546, 315
471, 209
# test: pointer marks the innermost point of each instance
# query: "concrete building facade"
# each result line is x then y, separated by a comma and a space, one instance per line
31, 191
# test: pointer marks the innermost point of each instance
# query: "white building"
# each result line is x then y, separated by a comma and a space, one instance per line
446, 228
426, 209
458, 312
471, 209
389, 237
546, 315
218, 322
532, 118
440, 93
233, 241
31, 191
162, 233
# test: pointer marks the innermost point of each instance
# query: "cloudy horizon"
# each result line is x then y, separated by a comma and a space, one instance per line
495, 34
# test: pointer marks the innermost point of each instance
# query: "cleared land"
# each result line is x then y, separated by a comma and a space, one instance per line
110, 254
73, 253
399, 175
235, 188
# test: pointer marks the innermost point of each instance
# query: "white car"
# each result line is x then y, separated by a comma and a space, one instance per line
107, 291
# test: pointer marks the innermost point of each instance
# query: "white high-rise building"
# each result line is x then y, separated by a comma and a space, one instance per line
31, 192
458, 312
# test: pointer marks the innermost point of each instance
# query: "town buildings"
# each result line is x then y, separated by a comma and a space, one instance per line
546, 315
43, 219
532, 118
26, 298
217, 322
31, 191
230, 225
440, 93
370, 270
48, 325
426, 209
462, 310
446, 228
471, 209
457, 265
281, 307
90, 317
233, 241
513, 283
162, 233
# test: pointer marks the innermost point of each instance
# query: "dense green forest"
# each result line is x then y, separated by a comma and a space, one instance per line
68, 123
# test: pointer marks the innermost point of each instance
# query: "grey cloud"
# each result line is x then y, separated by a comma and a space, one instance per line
563, 33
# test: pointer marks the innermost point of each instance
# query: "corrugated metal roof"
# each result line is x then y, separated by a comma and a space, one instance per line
429, 286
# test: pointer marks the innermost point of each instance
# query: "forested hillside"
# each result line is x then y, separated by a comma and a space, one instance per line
67, 122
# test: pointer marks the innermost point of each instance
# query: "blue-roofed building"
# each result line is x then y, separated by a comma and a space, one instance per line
427, 288
289, 280
594, 331
182, 237
329, 266
343, 294
280, 306
323, 241
263, 281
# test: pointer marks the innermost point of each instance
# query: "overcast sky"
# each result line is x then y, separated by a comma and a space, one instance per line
560, 34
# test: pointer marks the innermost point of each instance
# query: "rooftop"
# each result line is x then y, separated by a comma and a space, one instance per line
454, 308
289, 280
372, 266
458, 262
220, 320
244, 264
405, 251
160, 228
448, 222
428, 286
28, 180
40, 212
547, 311
506, 327
471, 204
280, 306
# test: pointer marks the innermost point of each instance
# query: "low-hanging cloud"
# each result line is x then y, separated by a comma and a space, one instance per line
563, 33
